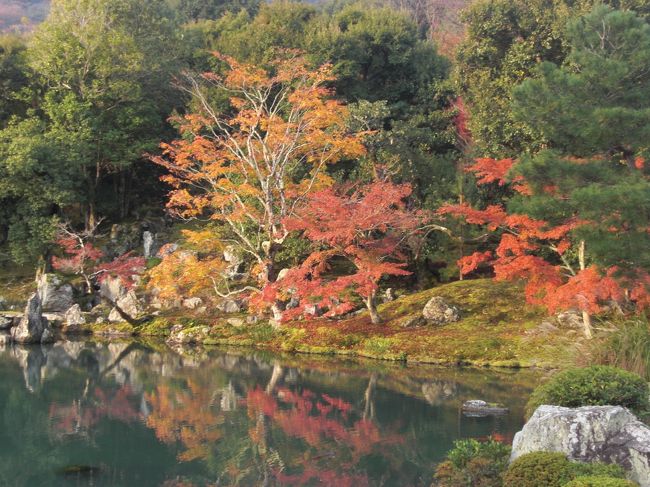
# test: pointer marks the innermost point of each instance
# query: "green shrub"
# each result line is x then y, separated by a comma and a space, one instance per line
600, 481
598, 469
598, 385
554, 469
537, 469
628, 348
472, 463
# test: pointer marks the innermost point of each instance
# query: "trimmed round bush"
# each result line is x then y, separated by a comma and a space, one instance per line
599, 385
537, 469
600, 481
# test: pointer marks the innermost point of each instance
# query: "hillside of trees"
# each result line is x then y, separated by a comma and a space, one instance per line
303, 159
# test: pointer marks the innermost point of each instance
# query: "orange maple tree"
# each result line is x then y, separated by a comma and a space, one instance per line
365, 226
537, 252
248, 167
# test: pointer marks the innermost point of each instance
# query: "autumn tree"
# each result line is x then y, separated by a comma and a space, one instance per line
80, 256
577, 228
550, 255
250, 166
366, 227
198, 269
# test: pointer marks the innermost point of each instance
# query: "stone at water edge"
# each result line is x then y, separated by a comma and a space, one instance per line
74, 318
33, 325
480, 408
609, 434
130, 304
438, 312
6, 323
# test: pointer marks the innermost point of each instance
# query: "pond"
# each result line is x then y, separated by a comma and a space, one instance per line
141, 414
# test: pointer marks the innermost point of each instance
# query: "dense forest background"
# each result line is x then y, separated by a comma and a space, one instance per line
339, 147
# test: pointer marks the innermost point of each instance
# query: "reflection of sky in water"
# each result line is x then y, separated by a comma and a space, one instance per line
131, 415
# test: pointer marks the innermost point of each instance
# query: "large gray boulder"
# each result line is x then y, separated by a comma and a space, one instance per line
130, 304
609, 434
438, 312
112, 288
33, 327
55, 295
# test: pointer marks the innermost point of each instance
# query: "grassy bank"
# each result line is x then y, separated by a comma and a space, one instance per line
496, 328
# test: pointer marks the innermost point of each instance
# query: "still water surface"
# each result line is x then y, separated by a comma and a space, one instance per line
135, 414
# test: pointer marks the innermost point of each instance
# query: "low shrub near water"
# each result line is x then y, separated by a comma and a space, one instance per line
473, 463
554, 470
598, 385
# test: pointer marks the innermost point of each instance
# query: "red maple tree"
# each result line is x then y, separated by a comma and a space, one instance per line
365, 226
534, 251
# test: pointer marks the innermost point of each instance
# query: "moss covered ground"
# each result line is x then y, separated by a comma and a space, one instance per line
496, 328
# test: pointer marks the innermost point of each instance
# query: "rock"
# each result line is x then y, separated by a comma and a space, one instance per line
609, 434
389, 295
166, 250
192, 303
294, 302
32, 325
252, 319
312, 310
229, 306
112, 289
48, 336
282, 274
74, 319
189, 336
234, 259
54, 295
570, 319
148, 240
236, 322
6, 323
130, 304
477, 408
412, 321
438, 312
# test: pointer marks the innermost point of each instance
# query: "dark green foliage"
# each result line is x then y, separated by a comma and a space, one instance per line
598, 385
598, 101
506, 40
35, 182
600, 481
472, 463
14, 77
553, 470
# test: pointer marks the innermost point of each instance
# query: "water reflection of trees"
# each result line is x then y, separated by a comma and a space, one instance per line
275, 435
251, 419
